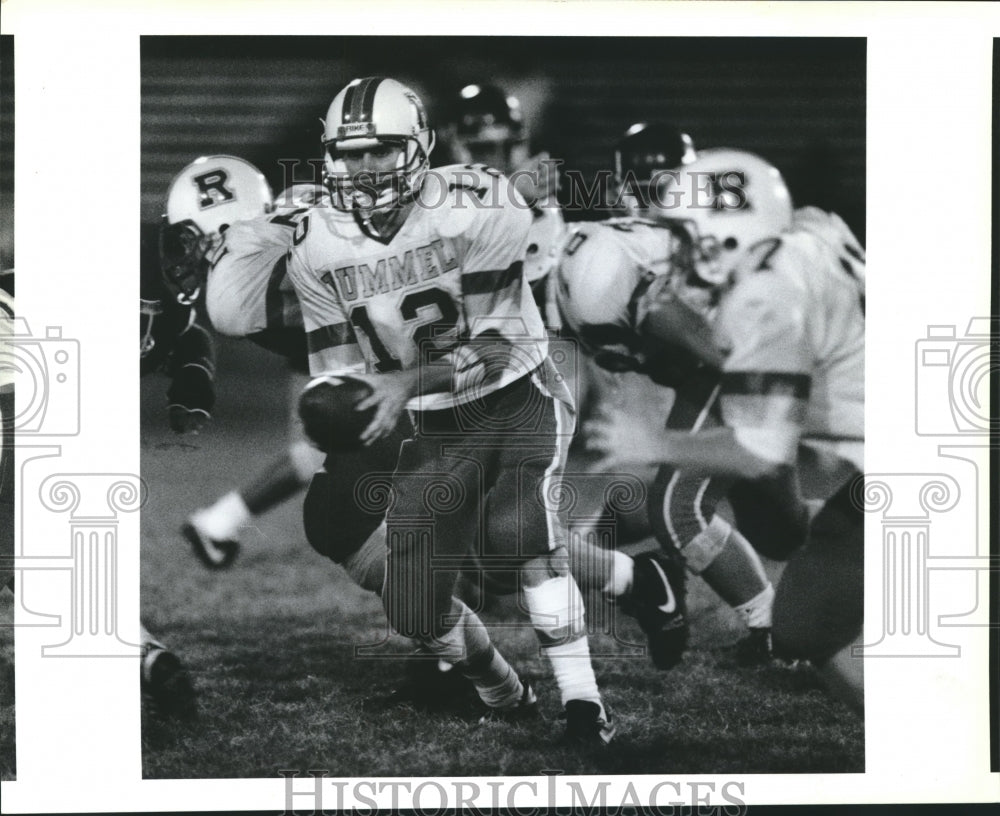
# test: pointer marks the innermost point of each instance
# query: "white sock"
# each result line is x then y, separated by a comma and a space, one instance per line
224, 519
620, 581
556, 610
573, 671
756, 613
467, 647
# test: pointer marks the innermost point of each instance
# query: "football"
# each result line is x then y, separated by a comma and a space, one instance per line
326, 408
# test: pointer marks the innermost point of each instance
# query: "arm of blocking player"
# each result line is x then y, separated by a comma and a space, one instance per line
662, 316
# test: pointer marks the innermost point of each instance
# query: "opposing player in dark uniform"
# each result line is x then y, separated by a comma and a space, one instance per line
415, 276
486, 127
172, 341
790, 337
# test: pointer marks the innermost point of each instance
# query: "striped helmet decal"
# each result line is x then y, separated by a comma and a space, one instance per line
359, 101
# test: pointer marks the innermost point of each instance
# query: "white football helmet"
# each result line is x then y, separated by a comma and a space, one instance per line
729, 200
369, 113
203, 200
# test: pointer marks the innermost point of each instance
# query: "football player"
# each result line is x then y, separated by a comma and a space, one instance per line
487, 128
173, 268
249, 296
415, 276
790, 333
609, 276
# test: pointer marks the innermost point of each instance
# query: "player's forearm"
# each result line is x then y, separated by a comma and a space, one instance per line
716, 451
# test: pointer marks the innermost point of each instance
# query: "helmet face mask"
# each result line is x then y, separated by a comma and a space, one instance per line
644, 157
377, 118
729, 201
488, 128
203, 200
184, 250
373, 189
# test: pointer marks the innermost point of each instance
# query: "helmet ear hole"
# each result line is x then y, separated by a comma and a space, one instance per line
730, 243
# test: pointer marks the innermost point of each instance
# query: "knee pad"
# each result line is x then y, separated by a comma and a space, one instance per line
705, 547
556, 610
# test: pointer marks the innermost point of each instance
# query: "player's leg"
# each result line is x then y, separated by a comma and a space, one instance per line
344, 517
819, 605
433, 519
683, 516
524, 523
164, 681
214, 531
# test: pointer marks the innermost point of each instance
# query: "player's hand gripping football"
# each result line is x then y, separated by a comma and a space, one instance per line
390, 393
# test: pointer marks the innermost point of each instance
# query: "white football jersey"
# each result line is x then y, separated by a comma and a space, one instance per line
608, 273
793, 328
248, 286
448, 286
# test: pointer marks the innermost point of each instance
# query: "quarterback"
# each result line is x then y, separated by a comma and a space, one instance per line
412, 280
790, 331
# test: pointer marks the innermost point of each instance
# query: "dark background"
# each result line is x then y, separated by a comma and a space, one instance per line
799, 102
6, 151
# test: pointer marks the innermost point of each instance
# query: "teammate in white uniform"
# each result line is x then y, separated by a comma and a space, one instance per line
791, 328
416, 275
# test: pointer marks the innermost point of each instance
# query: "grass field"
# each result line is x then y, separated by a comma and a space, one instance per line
271, 645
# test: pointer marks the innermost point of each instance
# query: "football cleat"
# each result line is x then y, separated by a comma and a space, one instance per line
213, 553
524, 709
166, 684
427, 688
587, 725
756, 649
658, 602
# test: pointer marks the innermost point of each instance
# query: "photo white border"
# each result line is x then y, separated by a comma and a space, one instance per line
77, 201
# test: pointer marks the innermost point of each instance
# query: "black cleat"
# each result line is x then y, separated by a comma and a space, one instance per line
524, 710
166, 684
585, 726
427, 688
213, 553
658, 601
756, 649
